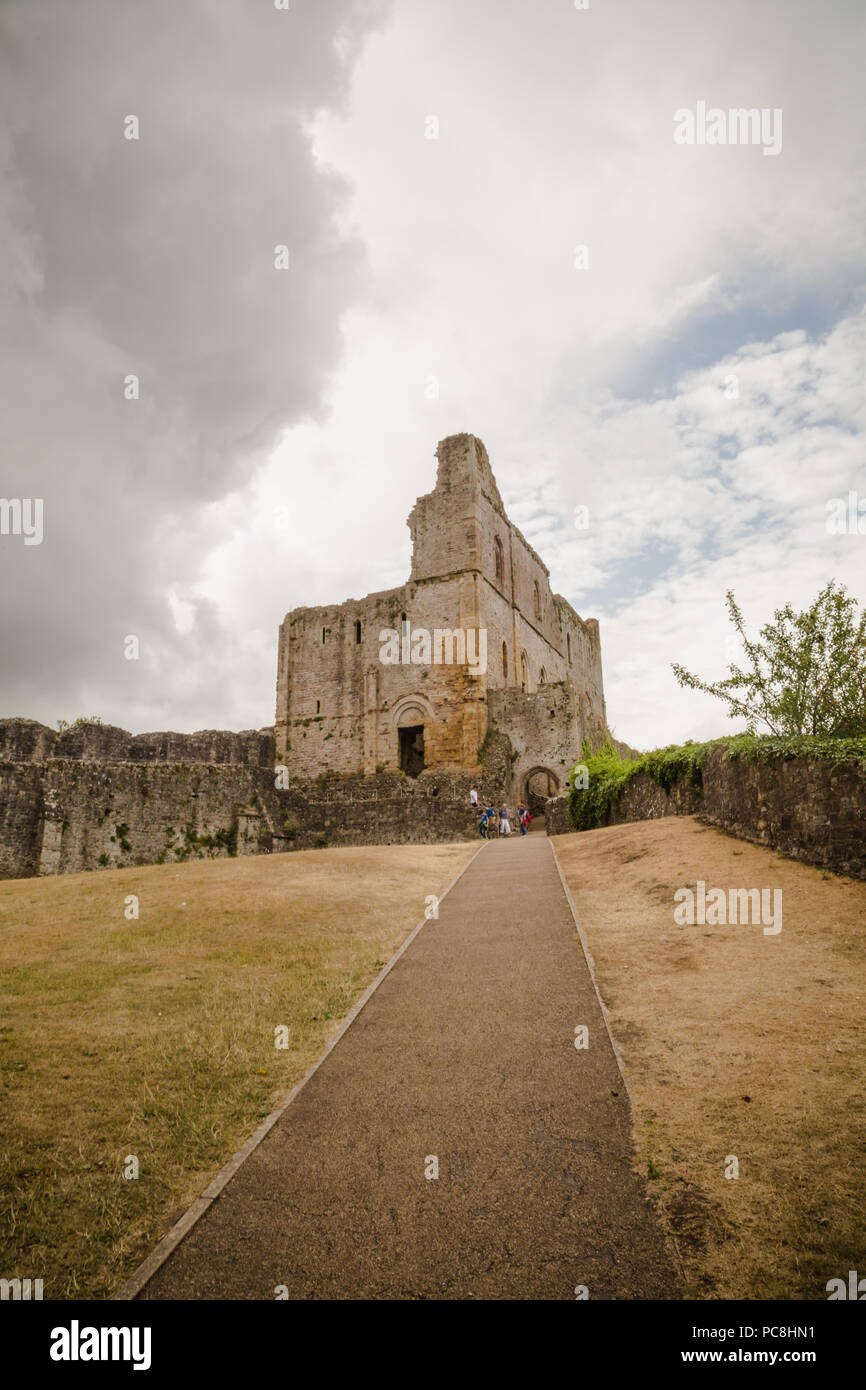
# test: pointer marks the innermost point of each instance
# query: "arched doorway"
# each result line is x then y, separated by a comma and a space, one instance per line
413, 717
538, 784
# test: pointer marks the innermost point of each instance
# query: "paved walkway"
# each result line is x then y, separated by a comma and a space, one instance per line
466, 1053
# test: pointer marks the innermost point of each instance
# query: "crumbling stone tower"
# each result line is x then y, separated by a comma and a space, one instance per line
345, 705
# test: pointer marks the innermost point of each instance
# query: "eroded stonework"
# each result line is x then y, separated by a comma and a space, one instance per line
373, 752
342, 709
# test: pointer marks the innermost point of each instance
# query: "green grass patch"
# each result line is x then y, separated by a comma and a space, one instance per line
154, 1038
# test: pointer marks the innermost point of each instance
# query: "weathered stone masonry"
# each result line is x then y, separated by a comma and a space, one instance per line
374, 752
80, 801
97, 796
341, 709
809, 808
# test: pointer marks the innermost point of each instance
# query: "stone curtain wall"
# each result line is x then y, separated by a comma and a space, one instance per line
63, 816
21, 815
25, 740
809, 808
66, 814
74, 800
101, 815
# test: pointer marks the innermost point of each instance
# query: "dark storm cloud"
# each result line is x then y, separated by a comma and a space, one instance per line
154, 257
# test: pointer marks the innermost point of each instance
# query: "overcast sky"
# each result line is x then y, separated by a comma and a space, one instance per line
699, 387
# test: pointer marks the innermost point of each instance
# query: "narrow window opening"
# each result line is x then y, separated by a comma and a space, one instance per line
358, 632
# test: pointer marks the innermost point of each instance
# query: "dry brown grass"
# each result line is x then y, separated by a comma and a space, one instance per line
736, 1043
156, 1037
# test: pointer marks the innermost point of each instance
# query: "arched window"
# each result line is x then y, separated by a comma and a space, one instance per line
357, 632
542, 677
568, 646
536, 600
505, 662
524, 672
498, 562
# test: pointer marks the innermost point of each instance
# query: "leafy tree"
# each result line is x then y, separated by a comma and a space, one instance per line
805, 674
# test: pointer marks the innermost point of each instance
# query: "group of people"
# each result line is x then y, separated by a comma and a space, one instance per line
493, 821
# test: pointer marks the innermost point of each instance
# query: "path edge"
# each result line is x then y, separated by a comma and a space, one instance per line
142, 1275
668, 1235
590, 965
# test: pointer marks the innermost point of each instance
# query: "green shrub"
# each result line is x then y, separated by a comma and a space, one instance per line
609, 775
682, 764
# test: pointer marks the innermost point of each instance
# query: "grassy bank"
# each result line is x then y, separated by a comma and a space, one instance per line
154, 1038
735, 1045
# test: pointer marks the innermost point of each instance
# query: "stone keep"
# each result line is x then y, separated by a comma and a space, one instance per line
476, 582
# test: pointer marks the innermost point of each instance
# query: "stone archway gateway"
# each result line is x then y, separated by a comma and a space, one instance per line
536, 786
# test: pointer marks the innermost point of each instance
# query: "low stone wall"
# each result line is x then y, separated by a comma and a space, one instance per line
98, 797
810, 808
383, 809
21, 817
62, 815
557, 820
644, 799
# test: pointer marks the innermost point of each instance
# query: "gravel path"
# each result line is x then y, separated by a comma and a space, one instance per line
464, 1054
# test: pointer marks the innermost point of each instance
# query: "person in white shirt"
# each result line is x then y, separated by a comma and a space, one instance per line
504, 826
473, 796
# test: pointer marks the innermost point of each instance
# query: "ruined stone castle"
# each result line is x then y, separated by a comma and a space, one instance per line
389, 708
479, 642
